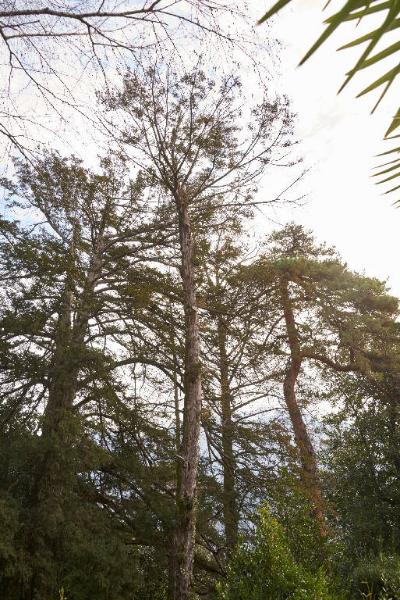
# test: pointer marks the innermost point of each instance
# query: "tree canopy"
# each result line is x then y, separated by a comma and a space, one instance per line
193, 405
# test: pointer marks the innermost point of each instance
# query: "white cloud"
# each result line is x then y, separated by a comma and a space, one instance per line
340, 139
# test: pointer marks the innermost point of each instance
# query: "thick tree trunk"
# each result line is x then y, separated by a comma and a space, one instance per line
48, 494
309, 474
177, 413
172, 567
69, 342
228, 459
189, 454
55, 472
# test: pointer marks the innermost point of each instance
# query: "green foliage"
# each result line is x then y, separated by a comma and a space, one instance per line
266, 569
78, 541
292, 510
377, 578
361, 475
362, 446
91, 347
354, 10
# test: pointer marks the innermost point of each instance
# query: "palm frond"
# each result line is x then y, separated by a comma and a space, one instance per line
355, 10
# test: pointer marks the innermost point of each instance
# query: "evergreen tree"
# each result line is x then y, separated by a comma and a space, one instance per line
331, 318
183, 133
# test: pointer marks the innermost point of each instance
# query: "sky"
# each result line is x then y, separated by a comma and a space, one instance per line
339, 141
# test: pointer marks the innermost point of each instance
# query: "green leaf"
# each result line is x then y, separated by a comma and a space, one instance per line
380, 55
388, 76
392, 13
390, 162
368, 36
390, 151
363, 13
393, 190
389, 178
336, 20
392, 168
394, 124
360, 40
276, 8
356, 10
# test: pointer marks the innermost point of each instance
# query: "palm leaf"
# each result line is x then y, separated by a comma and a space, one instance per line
395, 123
368, 36
364, 12
276, 8
354, 10
388, 170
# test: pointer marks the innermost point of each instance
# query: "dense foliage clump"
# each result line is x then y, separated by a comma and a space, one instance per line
266, 569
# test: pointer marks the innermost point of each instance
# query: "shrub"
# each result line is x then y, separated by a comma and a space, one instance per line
378, 579
266, 569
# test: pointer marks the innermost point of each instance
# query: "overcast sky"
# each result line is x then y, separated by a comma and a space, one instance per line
340, 139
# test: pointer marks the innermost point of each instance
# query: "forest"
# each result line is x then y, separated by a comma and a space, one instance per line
192, 406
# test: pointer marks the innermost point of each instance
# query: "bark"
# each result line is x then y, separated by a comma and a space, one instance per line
69, 342
305, 447
189, 454
228, 459
172, 566
177, 413
394, 421
55, 472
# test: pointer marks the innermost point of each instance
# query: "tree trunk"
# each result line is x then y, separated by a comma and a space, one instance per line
172, 551
48, 494
228, 459
69, 343
309, 472
189, 454
56, 469
177, 412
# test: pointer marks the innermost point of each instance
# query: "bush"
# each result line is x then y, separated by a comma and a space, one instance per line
377, 579
266, 569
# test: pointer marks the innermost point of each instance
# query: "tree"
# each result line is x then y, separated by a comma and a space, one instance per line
93, 349
331, 318
239, 367
75, 281
361, 474
182, 132
96, 37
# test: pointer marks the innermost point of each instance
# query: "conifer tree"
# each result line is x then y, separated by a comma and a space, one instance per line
75, 280
183, 133
332, 318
